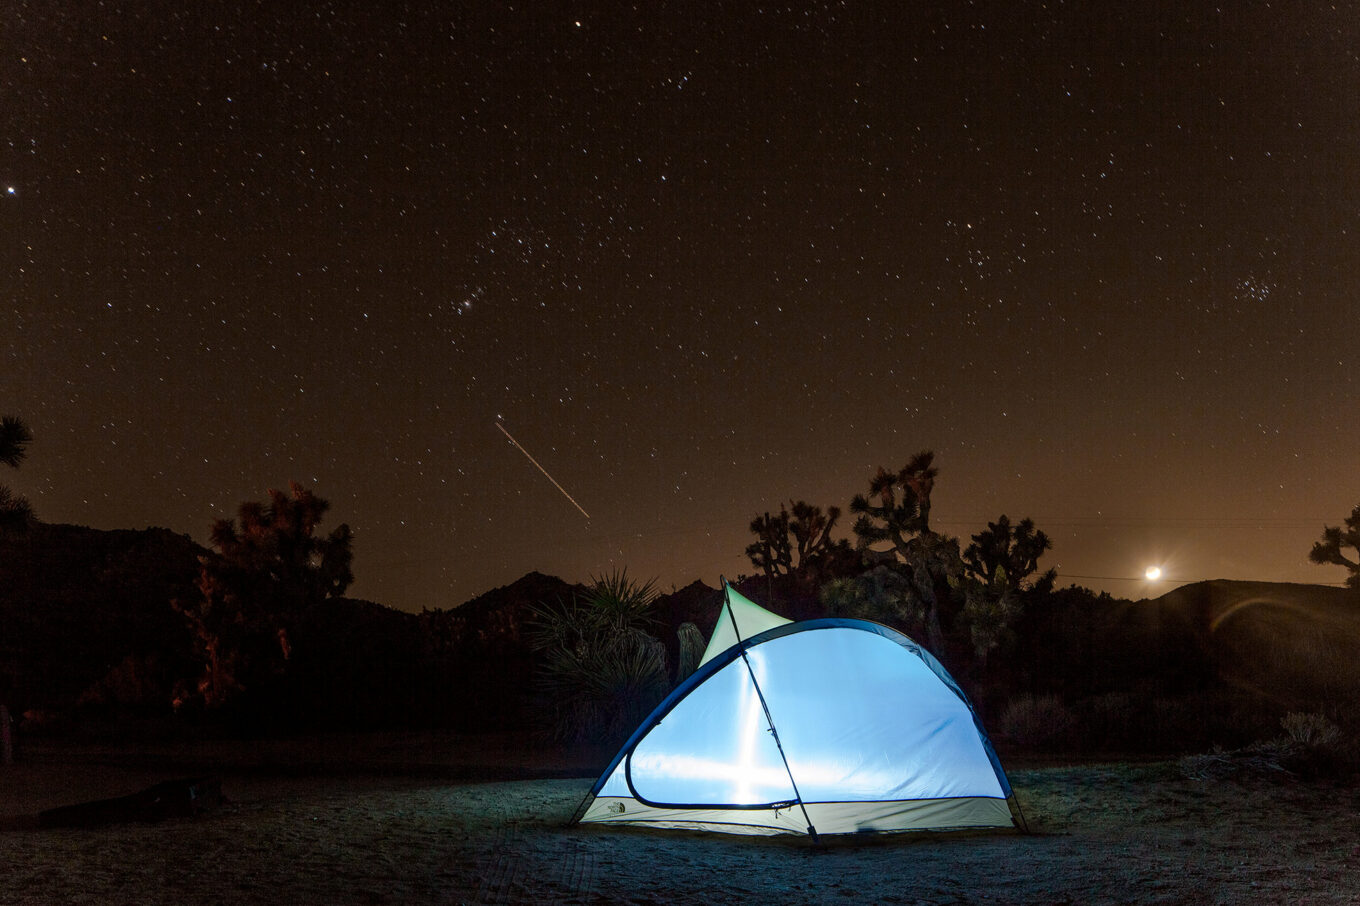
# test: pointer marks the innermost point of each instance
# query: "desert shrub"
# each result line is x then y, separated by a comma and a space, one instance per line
1268, 759
1039, 722
1311, 730
599, 692
1323, 750
1312, 747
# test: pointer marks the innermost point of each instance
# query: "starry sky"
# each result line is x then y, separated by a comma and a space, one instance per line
696, 259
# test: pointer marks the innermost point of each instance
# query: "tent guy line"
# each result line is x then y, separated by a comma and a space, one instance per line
543, 470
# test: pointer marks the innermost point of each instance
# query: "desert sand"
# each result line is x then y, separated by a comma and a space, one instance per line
434, 819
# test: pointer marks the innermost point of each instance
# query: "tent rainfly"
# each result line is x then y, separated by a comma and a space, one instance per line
831, 726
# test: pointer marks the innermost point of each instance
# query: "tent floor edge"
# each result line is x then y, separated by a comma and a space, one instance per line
825, 819
1017, 815
581, 809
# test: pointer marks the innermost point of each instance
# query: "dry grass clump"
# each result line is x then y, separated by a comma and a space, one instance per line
1312, 746
1311, 730
1260, 759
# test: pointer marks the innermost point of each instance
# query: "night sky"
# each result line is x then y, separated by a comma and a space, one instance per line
697, 259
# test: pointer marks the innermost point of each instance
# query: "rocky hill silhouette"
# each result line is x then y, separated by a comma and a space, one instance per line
1288, 643
83, 608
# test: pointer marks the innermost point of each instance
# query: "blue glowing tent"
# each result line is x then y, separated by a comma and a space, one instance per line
827, 726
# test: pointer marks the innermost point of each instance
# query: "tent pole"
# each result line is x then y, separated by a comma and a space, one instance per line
769, 719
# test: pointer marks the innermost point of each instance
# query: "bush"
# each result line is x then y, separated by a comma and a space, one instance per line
1037, 722
1259, 760
1311, 730
1311, 747
1322, 749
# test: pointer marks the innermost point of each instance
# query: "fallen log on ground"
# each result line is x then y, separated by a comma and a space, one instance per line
171, 799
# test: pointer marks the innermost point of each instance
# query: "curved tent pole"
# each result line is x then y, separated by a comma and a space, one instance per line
723, 660
769, 719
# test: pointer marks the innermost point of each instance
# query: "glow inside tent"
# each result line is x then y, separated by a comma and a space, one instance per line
819, 727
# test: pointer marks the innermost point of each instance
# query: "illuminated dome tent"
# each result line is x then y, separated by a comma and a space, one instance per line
830, 726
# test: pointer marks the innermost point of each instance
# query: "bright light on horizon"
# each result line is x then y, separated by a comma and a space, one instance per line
1153, 573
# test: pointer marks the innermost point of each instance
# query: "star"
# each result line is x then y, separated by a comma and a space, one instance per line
835, 243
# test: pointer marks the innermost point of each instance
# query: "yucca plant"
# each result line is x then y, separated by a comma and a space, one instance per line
15, 511
602, 671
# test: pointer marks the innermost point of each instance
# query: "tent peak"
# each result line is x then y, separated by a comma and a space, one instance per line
740, 619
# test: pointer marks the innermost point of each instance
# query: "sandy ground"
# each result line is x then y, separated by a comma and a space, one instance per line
414, 820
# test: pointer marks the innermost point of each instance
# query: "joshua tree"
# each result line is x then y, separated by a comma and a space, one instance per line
1335, 538
266, 573
800, 529
276, 548
997, 567
1005, 554
771, 552
15, 511
897, 510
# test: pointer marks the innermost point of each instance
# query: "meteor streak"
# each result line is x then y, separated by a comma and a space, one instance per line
543, 470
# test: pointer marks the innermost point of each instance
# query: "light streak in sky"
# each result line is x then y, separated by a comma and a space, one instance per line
543, 470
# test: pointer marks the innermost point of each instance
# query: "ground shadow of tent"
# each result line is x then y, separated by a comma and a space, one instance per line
828, 726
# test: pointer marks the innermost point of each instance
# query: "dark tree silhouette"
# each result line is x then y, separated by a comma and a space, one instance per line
15, 511
881, 594
264, 576
796, 538
997, 567
1005, 554
276, 548
1337, 538
897, 510
771, 552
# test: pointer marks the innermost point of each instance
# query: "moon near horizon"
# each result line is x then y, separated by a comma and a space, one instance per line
1153, 573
